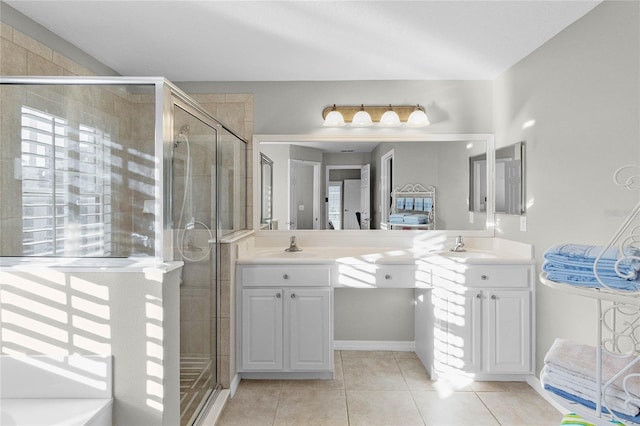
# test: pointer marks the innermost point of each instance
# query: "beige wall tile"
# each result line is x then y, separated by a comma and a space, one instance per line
6, 31
32, 45
14, 58
73, 67
37, 65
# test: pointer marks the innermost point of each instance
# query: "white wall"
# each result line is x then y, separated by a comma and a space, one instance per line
134, 316
582, 89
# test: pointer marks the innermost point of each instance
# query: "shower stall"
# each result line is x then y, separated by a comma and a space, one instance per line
113, 172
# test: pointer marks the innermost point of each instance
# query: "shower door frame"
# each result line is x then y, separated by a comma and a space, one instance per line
175, 101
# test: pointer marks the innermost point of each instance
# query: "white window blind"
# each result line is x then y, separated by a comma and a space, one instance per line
66, 187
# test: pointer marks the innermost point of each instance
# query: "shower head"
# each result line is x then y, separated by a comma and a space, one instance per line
182, 136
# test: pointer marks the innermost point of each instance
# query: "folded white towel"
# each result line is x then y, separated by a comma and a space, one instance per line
614, 397
581, 360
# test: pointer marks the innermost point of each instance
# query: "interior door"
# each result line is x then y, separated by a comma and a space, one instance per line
365, 197
351, 203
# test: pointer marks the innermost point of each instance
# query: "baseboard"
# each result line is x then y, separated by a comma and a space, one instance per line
233, 386
373, 345
534, 382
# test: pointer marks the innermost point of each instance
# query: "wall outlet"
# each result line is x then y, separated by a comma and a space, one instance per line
300, 207
523, 223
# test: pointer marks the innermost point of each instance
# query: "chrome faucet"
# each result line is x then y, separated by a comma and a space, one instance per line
459, 245
293, 246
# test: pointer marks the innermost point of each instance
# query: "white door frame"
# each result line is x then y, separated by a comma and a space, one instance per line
386, 172
326, 184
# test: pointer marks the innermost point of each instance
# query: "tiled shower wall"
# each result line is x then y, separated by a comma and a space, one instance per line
24, 56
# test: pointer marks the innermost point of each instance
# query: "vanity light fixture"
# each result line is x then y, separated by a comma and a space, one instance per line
365, 116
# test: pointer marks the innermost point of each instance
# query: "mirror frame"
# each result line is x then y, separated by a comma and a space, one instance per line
488, 138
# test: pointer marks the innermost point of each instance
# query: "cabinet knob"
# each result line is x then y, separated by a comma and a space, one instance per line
484, 277
387, 277
479, 296
293, 295
278, 295
285, 276
494, 297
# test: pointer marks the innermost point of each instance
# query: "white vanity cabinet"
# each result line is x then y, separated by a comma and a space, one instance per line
482, 320
286, 318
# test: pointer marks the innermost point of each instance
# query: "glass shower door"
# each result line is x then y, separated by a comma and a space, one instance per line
194, 215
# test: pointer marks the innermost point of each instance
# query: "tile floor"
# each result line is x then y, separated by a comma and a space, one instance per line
385, 388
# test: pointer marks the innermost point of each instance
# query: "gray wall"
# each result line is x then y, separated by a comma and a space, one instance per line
582, 90
296, 107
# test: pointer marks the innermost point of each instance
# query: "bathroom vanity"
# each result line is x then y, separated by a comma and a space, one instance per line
473, 309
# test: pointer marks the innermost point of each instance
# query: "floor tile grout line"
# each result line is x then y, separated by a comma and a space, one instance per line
487, 407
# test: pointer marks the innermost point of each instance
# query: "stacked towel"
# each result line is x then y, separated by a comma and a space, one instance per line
408, 218
418, 204
416, 219
397, 217
570, 371
573, 264
400, 203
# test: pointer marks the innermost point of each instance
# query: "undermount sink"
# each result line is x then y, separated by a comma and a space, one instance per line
468, 254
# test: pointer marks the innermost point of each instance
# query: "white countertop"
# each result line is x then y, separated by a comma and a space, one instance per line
378, 255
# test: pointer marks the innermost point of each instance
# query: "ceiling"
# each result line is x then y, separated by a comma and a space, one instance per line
268, 40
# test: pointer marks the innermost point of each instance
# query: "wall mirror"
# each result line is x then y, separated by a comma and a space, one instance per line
266, 191
338, 182
509, 168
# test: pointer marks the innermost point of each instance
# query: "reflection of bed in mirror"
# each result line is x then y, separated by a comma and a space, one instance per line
378, 165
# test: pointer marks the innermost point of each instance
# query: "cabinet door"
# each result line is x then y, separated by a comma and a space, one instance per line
308, 319
262, 329
464, 317
508, 331
457, 334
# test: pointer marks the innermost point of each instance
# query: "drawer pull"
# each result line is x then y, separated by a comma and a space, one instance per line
293, 295
479, 296
285, 276
494, 297
387, 277
484, 277
278, 295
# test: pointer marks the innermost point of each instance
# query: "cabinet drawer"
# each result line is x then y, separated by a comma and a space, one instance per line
396, 276
285, 276
483, 276
497, 276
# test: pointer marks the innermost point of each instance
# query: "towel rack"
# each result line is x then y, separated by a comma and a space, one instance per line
414, 191
618, 311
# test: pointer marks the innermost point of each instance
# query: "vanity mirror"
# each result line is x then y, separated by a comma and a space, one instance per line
509, 180
315, 175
